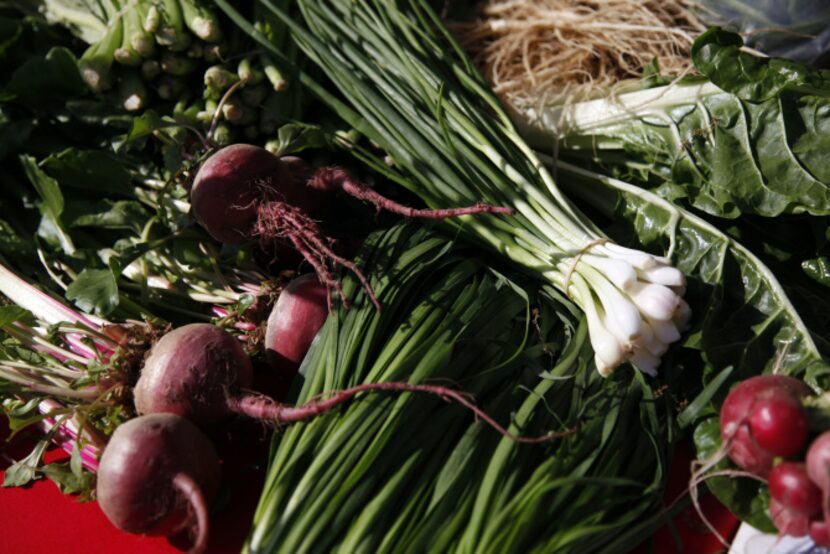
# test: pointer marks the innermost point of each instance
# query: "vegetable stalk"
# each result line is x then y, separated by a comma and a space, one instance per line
453, 144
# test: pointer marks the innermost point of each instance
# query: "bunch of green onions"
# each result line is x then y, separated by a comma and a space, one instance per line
415, 94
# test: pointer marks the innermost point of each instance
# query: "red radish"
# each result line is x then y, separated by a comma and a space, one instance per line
243, 192
818, 468
820, 533
787, 521
790, 486
297, 316
200, 372
769, 396
156, 473
779, 423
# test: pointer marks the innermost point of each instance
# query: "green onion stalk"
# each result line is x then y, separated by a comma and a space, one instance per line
413, 473
410, 89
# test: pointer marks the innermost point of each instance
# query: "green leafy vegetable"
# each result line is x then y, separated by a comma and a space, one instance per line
94, 290
752, 148
717, 54
403, 472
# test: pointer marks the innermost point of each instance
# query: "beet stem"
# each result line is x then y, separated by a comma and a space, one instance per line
261, 407
188, 488
335, 178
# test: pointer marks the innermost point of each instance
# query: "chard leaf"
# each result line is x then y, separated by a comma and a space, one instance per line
10, 314
55, 75
702, 147
94, 290
717, 55
746, 498
92, 170
67, 480
26, 470
818, 269
107, 214
51, 205
741, 314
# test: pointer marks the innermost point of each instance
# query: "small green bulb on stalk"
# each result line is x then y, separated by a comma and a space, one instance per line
132, 91
150, 69
96, 62
248, 73
170, 88
273, 74
201, 21
223, 134
174, 64
152, 19
218, 79
254, 95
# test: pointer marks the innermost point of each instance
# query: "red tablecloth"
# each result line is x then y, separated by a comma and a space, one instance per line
39, 518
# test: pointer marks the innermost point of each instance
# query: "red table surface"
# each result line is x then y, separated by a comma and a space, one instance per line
39, 518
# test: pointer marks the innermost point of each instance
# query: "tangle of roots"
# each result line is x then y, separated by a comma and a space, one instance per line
281, 221
563, 50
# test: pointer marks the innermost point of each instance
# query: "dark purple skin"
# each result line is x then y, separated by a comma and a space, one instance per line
230, 186
295, 320
191, 371
155, 472
201, 372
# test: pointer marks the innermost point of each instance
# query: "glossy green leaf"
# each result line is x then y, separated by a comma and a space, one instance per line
698, 146
94, 290
107, 214
717, 54
54, 75
742, 316
92, 170
746, 498
51, 205
818, 269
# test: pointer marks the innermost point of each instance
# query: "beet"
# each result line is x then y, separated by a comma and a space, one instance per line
158, 472
190, 371
243, 192
295, 320
200, 372
232, 183
772, 405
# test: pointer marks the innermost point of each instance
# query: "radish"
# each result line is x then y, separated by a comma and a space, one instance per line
297, 316
818, 468
787, 521
156, 473
790, 486
201, 372
243, 192
762, 418
820, 533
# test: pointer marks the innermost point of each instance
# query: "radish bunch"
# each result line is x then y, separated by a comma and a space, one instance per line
766, 430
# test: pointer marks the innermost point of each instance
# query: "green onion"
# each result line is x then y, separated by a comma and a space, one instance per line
414, 93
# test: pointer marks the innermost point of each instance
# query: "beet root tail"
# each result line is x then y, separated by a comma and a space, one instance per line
188, 488
335, 178
279, 220
264, 408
